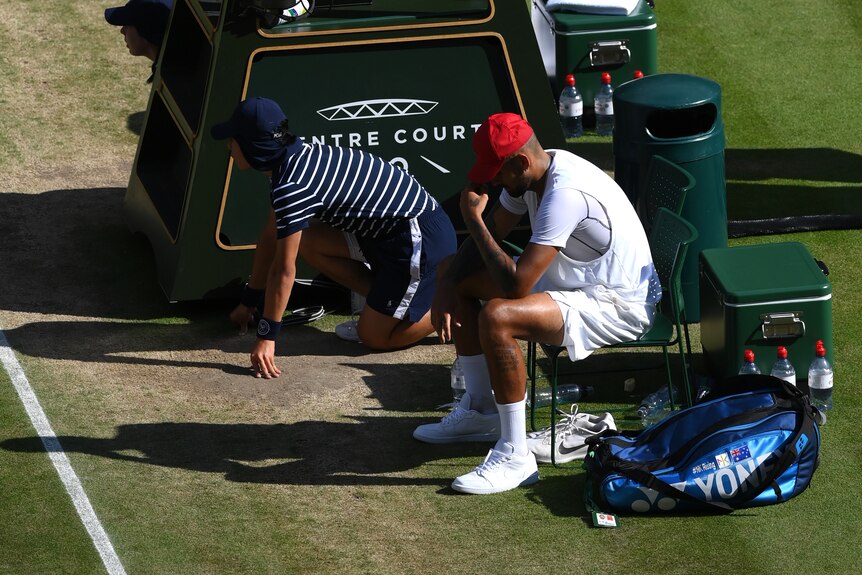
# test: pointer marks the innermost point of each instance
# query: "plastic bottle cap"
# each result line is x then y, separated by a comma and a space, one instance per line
606, 78
782, 352
638, 74
820, 351
570, 80
748, 356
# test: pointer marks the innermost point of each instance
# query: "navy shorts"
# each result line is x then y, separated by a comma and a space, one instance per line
404, 264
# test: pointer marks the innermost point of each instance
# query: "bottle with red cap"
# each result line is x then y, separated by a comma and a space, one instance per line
604, 107
820, 379
782, 368
571, 109
748, 365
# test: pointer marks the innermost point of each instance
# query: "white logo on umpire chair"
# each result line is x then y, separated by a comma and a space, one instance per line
381, 108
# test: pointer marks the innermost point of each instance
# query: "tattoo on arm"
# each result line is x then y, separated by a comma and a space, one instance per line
497, 262
469, 258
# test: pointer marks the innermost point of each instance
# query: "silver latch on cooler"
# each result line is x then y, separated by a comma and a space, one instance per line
782, 324
608, 52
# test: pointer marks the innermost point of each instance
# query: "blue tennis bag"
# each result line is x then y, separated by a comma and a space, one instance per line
752, 441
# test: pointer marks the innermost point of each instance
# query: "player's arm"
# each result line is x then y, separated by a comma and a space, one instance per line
499, 222
515, 280
243, 313
466, 262
282, 274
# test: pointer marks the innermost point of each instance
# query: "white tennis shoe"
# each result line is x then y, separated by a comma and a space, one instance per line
348, 330
570, 436
461, 424
502, 470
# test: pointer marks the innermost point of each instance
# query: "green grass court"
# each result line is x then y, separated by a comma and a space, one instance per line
192, 467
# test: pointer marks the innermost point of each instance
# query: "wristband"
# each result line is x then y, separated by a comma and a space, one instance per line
251, 297
268, 329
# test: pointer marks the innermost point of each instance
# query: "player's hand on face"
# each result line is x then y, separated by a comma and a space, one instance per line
243, 316
474, 198
263, 360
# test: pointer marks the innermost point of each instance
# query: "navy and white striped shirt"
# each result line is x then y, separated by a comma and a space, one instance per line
346, 188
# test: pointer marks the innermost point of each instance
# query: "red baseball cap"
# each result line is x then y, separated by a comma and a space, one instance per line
500, 136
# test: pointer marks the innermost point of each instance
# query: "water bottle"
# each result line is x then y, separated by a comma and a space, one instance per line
569, 393
820, 379
748, 365
571, 109
782, 368
656, 406
604, 106
459, 385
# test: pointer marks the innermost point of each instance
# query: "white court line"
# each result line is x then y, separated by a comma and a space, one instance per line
59, 459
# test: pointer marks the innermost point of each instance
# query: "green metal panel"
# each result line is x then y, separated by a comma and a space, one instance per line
407, 80
760, 297
569, 45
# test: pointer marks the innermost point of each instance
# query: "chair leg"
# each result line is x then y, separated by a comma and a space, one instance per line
685, 356
669, 377
531, 373
555, 356
689, 378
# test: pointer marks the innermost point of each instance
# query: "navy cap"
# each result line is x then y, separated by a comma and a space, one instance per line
256, 125
149, 17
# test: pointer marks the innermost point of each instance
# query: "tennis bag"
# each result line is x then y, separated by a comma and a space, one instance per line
752, 441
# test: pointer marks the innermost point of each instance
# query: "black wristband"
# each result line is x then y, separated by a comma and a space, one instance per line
268, 329
251, 297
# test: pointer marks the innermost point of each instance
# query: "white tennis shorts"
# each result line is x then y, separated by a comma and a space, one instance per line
596, 317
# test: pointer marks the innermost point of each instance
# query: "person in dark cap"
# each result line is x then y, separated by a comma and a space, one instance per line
143, 24
354, 217
585, 279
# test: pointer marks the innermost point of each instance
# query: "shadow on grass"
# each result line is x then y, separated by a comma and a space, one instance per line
135, 122
207, 329
303, 453
68, 252
606, 371
807, 181
411, 387
563, 492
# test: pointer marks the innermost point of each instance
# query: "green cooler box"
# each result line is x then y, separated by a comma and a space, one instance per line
760, 297
588, 44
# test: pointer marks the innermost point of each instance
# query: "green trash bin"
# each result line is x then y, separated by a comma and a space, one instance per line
677, 116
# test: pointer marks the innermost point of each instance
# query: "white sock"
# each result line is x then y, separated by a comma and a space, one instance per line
513, 425
478, 383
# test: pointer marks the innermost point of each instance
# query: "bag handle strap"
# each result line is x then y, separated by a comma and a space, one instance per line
792, 450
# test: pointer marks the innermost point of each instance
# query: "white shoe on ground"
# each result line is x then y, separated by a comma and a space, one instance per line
570, 436
461, 424
348, 330
501, 471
